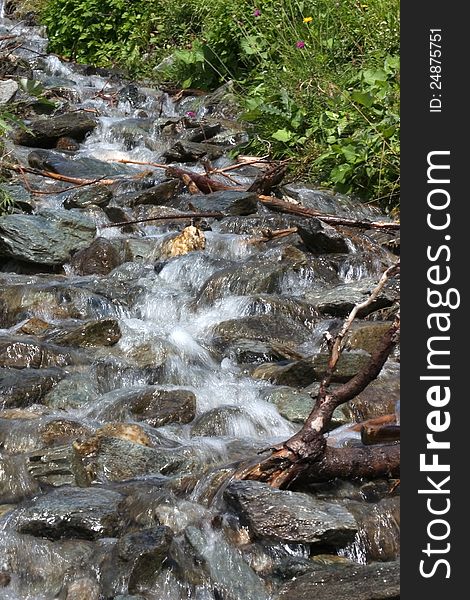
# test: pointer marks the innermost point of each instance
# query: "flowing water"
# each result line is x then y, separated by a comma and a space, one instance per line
186, 338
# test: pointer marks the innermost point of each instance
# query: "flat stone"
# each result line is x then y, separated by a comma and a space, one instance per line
290, 516
44, 239
44, 132
89, 514
20, 389
343, 581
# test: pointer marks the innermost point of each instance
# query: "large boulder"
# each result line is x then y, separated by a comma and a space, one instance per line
44, 132
23, 388
46, 239
285, 516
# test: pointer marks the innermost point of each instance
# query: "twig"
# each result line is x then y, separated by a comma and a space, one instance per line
166, 218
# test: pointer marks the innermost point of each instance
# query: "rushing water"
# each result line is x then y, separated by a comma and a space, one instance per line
167, 312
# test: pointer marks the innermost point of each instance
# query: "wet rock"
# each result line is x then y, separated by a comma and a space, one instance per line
293, 405
320, 237
367, 336
95, 195
378, 537
60, 431
220, 421
157, 195
247, 351
82, 168
120, 460
73, 513
47, 239
44, 132
57, 466
258, 225
150, 404
104, 332
203, 131
67, 143
35, 326
100, 258
21, 352
265, 328
343, 581
341, 299
328, 202
51, 301
22, 388
190, 239
303, 372
290, 516
138, 558
72, 392
83, 589
227, 202
249, 279
5, 579
8, 89
186, 151
203, 554
379, 398
293, 309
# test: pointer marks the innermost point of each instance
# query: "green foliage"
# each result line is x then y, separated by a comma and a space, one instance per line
318, 79
6, 202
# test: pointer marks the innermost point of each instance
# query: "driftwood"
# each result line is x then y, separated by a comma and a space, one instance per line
302, 211
203, 183
305, 455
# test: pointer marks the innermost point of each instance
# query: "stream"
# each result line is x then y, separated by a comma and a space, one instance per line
141, 364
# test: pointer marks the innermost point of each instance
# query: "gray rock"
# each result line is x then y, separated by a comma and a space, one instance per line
156, 195
257, 225
328, 202
47, 239
338, 301
320, 237
251, 278
72, 513
149, 404
204, 554
290, 516
74, 391
227, 202
44, 132
100, 258
220, 421
144, 552
57, 467
264, 328
293, 405
120, 460
8, 89
343, 581
288, 308
94, 195
56, 300
186, 151
22, 388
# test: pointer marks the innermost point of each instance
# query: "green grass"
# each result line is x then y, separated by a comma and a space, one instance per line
319, 80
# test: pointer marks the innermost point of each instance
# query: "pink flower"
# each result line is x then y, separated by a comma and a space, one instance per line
257, 12
191, 114
300, 44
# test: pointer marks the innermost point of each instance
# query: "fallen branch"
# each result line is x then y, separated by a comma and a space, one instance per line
216, 215
302, 211
306, 452
203, 183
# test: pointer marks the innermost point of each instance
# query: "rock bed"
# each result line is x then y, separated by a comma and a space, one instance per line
140, 365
